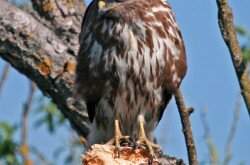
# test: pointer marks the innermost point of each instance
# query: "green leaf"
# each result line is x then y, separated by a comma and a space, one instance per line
241, 30
50, 116
8, 146
7, 129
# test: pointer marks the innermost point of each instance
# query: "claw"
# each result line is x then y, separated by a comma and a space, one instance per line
150, 159
119, 139
159, 153
145, 142
118, 152
135, 146
133, 142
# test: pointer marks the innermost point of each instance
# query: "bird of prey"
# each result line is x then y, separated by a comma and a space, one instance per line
130, 62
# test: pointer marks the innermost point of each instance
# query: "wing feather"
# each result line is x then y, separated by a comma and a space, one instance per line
90, 102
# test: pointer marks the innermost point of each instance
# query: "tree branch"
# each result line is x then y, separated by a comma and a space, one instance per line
226, 23
186, 127
104, 154
4, 75
231, 135
213, 155
65, 16
24, 149
37, 52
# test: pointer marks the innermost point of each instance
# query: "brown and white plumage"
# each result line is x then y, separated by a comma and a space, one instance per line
131, 60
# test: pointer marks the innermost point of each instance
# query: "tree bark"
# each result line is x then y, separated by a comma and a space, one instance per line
226, 23
186, 127
42, 44
104, 154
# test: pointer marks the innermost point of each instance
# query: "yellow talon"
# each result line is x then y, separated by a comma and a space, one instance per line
101, 4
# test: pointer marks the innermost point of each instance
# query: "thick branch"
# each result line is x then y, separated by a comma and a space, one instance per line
65, 17
36, 51
104, 154
227, 28
186, 127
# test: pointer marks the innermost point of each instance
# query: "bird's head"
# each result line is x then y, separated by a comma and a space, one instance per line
120, 9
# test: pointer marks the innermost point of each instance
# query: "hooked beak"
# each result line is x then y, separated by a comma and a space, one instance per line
102, 8
105, 9
101, 4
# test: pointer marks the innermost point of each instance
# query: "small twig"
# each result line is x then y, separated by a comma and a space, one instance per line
186, 127
236, 117
213, 155
83, 140
226, 23
73, 147
39, 156
4, 75
27, 106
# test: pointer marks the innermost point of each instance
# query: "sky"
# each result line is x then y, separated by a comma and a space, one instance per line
210, 83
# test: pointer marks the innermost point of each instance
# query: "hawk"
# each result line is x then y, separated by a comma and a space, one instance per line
130, 62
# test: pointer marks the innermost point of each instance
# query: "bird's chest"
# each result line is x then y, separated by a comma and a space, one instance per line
132, 86
128, 64
127, 72
127, 54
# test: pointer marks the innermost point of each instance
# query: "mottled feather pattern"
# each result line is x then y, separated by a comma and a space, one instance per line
130, 62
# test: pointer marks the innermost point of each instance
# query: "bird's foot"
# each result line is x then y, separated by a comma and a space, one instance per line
151, 147
119, 139
142, 140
